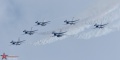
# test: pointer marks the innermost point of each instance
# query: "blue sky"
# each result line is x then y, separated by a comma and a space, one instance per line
80, 44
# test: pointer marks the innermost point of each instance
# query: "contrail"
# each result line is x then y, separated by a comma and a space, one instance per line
114, 24
84, 29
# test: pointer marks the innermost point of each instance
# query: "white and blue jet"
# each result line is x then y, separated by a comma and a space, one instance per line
100, 26
72, 22
31, 32
44, 23
58, 34
19, 42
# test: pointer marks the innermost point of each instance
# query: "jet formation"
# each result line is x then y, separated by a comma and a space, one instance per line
55, 34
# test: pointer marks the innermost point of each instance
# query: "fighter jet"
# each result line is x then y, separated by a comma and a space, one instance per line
17, 42
100, 26
58, 34
72, 22
31, 32
42, 23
